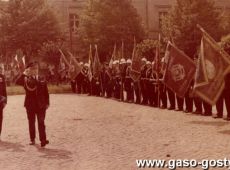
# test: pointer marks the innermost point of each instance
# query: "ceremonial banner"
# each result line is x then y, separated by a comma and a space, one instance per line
96, 64
113, 57
135, 72
90, 73
21, 64
74, 68
213, 65
179, 72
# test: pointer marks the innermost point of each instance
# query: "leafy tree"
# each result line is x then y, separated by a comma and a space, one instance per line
107, 22
147, 49
180, 26
49, 53
26, 25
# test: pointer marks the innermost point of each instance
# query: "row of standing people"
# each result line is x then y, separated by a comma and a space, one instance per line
115, 81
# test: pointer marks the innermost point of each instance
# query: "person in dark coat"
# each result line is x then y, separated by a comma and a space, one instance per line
128, 85
36, 101
143, 82
225, 96
3, 95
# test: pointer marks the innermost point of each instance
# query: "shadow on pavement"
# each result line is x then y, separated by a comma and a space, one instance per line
13, 147
209, 123
54, 153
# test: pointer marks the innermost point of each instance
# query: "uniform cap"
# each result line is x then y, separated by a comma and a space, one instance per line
144, 59
86, 64
148, 62
129, 61
122, 61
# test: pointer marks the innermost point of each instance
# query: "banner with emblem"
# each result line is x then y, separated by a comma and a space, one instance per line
213, 65
135, 72
180, 70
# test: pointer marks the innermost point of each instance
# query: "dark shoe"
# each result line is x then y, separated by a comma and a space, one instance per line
32, 142
163, 107
44, 143
197, 112
227, 118
217, 116
171, 108
207, 114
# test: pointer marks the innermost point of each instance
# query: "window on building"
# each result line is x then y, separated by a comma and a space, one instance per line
74, 22
161, 15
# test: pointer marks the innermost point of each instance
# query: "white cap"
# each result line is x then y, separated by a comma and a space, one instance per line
81, 63
86, 64
115, 62
129, 61
144, 59
148, 62
122, 61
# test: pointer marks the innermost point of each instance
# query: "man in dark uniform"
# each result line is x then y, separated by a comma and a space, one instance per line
3, 97
123, 66
80, 79
128, 85
36, 101
225, 95
172, 99
143, 81
108, 81
117, 81
148, 84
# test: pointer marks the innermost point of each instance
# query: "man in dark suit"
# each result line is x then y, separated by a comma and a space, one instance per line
36, 101
3, 95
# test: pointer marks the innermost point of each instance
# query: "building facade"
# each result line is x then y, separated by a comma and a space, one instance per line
151, 12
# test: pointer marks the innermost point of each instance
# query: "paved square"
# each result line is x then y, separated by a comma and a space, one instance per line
90, 133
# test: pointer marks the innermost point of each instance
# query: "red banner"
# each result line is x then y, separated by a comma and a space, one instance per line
179, 72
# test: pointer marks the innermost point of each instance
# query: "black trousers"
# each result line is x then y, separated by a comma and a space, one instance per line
73, 86
225, 96
1, 119
172, 98
207, 108
180, 103
144, 92
188, 102
129, 89
163, 96
137, 92
198, 104
32, 113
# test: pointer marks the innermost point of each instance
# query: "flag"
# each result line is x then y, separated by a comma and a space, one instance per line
96, 64
20, 62
179, 71
90, 74
135, 72
113, 56
74, 68
213, 64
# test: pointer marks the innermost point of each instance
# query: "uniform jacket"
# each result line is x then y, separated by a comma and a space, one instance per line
3, 87
37, 95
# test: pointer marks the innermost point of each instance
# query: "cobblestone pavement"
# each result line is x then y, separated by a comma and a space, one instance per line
90, 133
